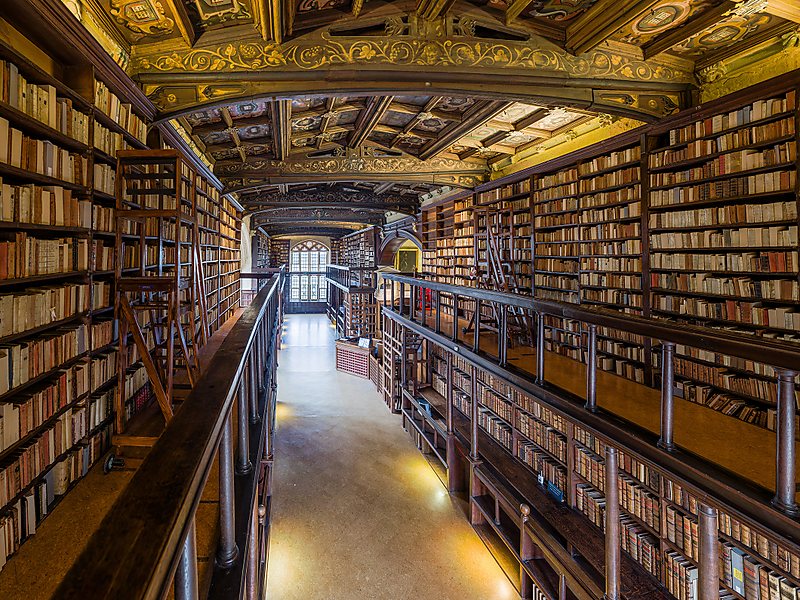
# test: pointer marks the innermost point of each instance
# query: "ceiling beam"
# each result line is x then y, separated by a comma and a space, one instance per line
309, 229
785, 9
384, 187
183, 21
759, 37
476, 116
270, 20
303, 215
281, 128
433, 9
515, 8
429, 107
356, 6
676, 35
601, 21
369, 119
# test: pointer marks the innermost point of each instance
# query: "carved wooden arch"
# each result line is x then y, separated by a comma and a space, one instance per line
392, 242
636, 99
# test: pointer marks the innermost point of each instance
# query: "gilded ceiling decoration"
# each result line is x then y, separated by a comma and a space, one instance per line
414, 98
558, 10
142, 18
660, 18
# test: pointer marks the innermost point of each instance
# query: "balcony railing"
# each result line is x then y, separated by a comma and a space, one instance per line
442, 314
351, 279
147, 540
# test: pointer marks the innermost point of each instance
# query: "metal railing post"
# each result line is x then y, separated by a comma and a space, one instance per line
612, 525
186, 574
591, 369
227, 552
785, 474
252, 368
476, 330
540, 348
473, 447
708, 575
502, 337
667, 395
455, 317
243, 464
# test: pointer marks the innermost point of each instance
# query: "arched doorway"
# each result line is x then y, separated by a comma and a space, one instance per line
307, 290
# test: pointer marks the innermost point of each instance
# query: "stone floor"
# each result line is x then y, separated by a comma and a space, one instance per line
357, 511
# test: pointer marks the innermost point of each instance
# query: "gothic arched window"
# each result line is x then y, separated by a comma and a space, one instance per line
308, 260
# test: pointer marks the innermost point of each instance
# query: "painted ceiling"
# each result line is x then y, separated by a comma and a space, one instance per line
394, 141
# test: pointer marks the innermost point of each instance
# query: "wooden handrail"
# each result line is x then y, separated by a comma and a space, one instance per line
135, 551
775, 353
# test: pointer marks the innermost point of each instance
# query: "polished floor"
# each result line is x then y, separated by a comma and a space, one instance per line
358, 513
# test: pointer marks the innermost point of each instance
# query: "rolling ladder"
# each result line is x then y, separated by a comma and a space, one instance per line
498, 274
160, 300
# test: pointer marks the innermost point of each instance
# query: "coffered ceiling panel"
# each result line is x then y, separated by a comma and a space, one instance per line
382, 100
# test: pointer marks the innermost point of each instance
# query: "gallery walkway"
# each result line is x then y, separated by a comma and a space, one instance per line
358, 514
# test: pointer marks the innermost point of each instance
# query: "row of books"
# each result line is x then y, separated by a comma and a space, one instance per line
727, 164
608, 161
43, 205
611, 279
120, 112
26, 256
766, 289
604, 248
727, 380
621, 349
761, 109
506, 191
543, 435
563, 282
495, 427
564, 176
36, 307
750, 579
733, 187
556, 265
646, 476
610, 264
760, 544
625, 195
610, 179
612, 213
40, 156
731, 310
496, 403
777, 235
41, 102
755, 262
724, 142
105, 178
621, 297
19, 363
542, 464
604, 231
735, 214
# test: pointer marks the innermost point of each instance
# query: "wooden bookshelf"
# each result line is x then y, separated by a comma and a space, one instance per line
278, 253
565, 462
351, 303
694, 219
56, 281
229, 261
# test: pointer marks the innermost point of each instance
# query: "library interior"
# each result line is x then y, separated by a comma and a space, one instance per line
399, 299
